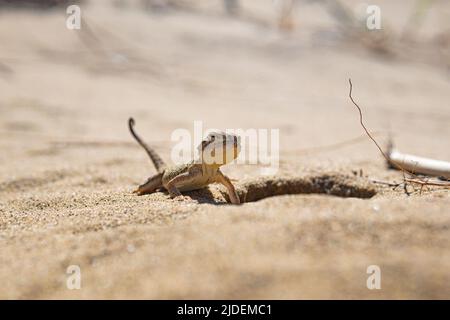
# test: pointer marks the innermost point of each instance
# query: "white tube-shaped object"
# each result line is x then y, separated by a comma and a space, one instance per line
415, 164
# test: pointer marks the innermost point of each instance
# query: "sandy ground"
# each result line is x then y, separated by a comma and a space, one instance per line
68, 163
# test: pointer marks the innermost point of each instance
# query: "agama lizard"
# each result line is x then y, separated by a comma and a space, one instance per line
217, 149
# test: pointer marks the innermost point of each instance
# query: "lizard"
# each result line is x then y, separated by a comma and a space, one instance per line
216, 150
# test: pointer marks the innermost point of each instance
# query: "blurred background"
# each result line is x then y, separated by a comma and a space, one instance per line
229, 63
68, 163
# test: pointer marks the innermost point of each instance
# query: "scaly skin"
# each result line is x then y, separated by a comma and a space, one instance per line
216, 150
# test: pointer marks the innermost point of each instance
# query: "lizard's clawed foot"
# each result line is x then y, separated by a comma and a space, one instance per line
174, 192
234, 197
235, 202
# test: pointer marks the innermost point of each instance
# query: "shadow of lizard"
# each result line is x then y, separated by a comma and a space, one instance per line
330, 183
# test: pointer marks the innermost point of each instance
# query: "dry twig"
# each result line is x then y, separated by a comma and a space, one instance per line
412, 179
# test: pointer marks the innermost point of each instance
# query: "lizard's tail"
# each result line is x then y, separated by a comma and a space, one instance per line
157, 161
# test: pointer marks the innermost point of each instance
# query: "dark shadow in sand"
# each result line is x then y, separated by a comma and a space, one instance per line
334, 184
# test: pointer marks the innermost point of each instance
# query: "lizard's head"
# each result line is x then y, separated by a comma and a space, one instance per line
219, 148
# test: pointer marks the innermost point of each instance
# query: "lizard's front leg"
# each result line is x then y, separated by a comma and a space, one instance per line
223, 179
181, 179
